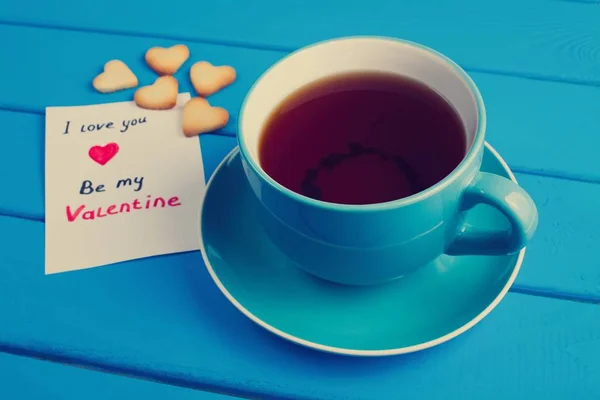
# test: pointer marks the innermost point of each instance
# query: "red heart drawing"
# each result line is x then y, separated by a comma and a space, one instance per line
103, 154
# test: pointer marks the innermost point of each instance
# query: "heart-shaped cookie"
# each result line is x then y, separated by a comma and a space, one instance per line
208, 79
116, 76
103, 154
200, 117
166, 61
161, 95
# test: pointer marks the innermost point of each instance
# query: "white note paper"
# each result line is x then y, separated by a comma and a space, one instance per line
122, 183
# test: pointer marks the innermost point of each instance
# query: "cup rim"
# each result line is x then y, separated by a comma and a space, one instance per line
467, 160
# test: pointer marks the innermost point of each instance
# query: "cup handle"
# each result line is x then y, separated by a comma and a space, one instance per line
508, 198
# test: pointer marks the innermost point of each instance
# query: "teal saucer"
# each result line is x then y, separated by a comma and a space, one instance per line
431, 306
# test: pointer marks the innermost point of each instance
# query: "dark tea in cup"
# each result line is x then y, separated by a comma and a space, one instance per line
365, 155
362, 138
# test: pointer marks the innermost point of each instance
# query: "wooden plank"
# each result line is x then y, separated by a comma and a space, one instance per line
22, 166
541, 127
560, 259
557, 40
566, 235
28, 378
163, 318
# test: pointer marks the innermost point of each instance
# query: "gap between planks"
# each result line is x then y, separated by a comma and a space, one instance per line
101, 370
286, 49
548, 293
588, 2
74, 361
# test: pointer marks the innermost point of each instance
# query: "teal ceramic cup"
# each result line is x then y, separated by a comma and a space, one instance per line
375, 243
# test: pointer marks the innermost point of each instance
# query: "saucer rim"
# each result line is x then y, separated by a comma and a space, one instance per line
354, 352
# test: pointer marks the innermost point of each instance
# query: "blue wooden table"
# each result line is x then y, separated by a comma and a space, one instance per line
537, 63
29, 378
